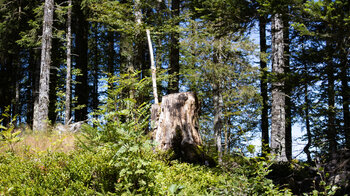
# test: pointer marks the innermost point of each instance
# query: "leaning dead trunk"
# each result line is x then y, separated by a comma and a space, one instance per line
153, 67
176, 126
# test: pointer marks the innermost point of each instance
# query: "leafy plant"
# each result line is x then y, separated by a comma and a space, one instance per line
9, 136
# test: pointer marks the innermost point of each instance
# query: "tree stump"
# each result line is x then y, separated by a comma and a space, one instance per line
175, 126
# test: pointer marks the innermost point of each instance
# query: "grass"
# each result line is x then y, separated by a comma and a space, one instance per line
34, 142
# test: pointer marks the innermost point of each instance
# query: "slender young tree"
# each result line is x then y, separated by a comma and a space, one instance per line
41, 110
69, 64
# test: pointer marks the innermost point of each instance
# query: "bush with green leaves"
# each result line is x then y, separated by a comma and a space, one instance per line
119, 133
44, 174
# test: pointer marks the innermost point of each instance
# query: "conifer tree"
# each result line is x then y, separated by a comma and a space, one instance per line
41, 110
278, 119
174, 57
69, 64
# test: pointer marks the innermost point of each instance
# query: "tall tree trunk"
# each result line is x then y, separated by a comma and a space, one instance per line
227, 139
345, 93
287, 88
55, 63
140, 50
69, 64
140, 61
138, 37
307, 123
16, 102
95, 71
218, 107
126, 65
29, 91
5, 84
174, 68
33, 93
331, 130
126, 51
278, 121
263, 87
82, 88
111, 54
159, 46
307, 109
41, 111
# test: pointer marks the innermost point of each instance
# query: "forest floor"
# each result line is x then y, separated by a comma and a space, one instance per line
56, 163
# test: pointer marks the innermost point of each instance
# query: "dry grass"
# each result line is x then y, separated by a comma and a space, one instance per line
32, 143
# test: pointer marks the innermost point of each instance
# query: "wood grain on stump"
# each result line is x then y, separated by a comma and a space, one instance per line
176, 116
175, 125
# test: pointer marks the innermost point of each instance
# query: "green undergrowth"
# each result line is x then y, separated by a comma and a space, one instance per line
115, 156
89, 173
127, 166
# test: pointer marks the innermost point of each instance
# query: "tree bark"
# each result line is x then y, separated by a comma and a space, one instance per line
263, 87
55, 63
175, 123
307, 123
345, 93
218, 107
287, 88
111, 54
69, 64
82, 88
17, 104
6, 71
33, 93
159, 46
41, 110
95, 70
140, 61
126, 54
331, 130
278, 121
174, 68
139, 57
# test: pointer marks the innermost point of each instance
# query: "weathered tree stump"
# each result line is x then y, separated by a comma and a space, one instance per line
175, 126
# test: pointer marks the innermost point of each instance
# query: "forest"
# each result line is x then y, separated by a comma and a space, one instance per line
81, 82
